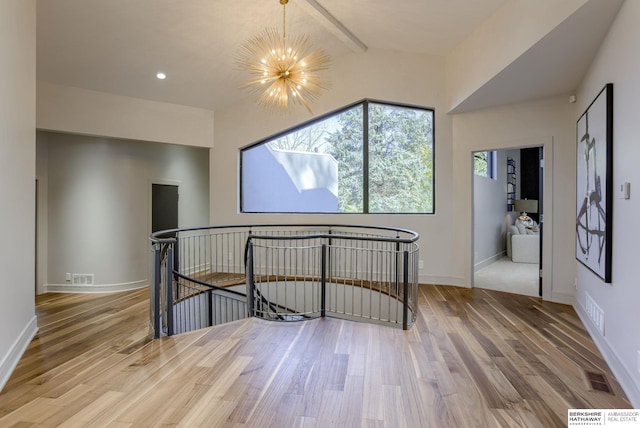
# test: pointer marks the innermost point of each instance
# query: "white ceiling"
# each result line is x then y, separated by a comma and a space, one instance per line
555, 65
118, 46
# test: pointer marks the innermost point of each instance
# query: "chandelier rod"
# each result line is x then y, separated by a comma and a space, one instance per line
284, 22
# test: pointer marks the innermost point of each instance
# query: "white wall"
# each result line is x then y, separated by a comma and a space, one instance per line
82, 111
97, 206
618, 62
390, 76
17, 175
500, 40
490, 215
549, 123
42, 219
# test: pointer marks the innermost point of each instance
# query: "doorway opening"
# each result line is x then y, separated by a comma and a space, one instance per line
164, 207
508, 218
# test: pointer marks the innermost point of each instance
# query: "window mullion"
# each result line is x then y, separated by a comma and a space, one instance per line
490, 164
365, 157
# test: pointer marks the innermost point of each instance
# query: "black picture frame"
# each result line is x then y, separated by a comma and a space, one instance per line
594, 185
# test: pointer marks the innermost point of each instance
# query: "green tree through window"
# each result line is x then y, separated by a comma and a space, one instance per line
400, 160
346, 146
484, 164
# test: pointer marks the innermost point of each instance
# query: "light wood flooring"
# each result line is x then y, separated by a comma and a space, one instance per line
475, 358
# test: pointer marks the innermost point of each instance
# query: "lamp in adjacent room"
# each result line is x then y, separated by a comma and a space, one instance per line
526, 206
283, 70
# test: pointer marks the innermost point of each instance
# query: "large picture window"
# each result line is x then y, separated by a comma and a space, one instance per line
370, 157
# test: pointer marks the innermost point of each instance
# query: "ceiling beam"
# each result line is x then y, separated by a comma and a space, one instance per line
336, 27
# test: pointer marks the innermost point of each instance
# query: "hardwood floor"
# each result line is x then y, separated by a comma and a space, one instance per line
474, 358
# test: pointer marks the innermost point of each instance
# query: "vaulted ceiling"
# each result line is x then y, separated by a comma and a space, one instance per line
118, 46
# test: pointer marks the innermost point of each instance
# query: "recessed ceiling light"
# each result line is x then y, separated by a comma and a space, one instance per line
161, 76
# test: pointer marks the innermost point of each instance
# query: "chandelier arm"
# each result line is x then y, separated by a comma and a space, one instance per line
302, 100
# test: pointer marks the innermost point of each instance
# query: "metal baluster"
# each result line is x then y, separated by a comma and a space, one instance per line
156, 290
405, 283
323, 281
170, 319
250, 301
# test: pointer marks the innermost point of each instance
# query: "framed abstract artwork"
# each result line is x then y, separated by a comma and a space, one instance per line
594, 184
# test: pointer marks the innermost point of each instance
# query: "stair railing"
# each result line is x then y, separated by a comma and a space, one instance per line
210, 275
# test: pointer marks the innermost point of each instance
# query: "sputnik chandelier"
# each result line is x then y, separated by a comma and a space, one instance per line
283, 71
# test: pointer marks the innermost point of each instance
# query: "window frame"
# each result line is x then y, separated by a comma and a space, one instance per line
492, 164
365, 155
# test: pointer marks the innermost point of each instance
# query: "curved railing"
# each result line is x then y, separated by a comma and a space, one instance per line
210, 275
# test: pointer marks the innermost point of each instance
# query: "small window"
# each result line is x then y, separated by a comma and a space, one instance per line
484, 164
371, 157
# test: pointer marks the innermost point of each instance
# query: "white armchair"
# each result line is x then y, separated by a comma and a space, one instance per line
523, 245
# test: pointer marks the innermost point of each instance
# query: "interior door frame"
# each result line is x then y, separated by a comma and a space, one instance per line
163, 182
546, 248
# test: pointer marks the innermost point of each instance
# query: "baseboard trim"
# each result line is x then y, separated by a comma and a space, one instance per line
97, 288
457, 281
12, 358
621, 373
195, 270
563, 298
486, 262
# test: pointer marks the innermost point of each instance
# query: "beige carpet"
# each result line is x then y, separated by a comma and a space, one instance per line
504, 275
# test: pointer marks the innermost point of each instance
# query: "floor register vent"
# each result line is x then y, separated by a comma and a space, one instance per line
598, 382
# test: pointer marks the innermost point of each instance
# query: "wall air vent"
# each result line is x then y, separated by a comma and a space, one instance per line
82, 279
595, 314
